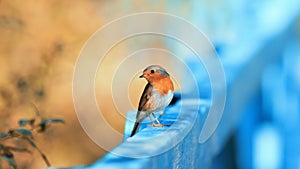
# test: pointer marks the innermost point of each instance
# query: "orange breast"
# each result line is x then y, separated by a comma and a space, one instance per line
163, 85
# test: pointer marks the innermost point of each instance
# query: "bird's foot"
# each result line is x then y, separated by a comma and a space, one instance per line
157, 125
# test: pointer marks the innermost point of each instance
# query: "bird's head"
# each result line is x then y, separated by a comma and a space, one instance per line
154, 72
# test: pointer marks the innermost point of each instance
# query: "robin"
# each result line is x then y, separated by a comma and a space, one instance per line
157, 95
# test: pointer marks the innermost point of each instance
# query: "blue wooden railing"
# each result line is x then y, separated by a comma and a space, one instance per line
167, 147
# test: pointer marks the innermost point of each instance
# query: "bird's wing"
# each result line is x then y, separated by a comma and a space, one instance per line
143, 104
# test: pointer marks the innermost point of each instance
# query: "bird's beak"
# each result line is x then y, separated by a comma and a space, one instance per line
142, 76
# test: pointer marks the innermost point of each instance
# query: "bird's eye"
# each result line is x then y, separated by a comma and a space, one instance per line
152, 71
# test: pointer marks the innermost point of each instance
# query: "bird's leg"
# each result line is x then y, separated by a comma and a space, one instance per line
151, 119
155, 118
158, 123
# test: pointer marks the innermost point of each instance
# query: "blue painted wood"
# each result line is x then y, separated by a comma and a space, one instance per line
142, 153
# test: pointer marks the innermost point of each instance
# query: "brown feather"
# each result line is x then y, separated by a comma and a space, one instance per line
143, 104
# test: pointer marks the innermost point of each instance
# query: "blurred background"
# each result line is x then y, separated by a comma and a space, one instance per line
41, 40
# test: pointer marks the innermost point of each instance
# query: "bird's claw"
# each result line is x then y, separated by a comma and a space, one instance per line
157, 125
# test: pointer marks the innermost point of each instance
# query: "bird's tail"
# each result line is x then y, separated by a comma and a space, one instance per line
135, 128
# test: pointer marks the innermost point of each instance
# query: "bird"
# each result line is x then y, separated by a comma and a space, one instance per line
156, 96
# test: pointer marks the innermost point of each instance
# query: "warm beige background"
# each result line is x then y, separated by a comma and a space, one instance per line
39, 44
